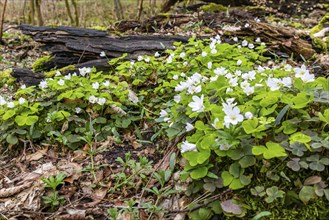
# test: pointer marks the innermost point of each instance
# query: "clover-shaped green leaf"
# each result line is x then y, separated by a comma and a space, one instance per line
298, 149
294, 164
322, 143
247, 161
258, 191
273, 193
270, 151
229, 180
321, 96
199, 173
316, 163
273, 176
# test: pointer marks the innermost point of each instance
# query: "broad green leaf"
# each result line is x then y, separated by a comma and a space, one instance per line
8, 114
227, 178
11, 139
267, 111
250, 125
299, 137
199, 125
268, 100
307, 193
199, 173
247, 161
270, 151
236, 184
301, 100
245, 180
208, 141
26, 120
195, 158
204, 213
235, 170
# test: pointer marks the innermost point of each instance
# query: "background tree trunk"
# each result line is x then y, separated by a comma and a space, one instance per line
140, 10
38, 10
31, 12
76, 12
23, 11
2, 21
69, 11
118, 9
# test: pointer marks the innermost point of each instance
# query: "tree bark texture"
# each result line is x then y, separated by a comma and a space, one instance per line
70, 45
2, 20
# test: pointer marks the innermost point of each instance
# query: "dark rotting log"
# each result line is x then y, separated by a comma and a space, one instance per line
70, 46
27, 76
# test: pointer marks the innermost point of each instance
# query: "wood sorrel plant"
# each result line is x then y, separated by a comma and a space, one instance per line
61, 109
238, 114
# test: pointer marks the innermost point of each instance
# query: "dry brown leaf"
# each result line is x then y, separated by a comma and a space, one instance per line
312, 180
124, 216
65, 127
72, 170
7, 192
98, 195
99, 175
37, 155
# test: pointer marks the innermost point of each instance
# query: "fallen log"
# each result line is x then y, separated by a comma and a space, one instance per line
71, 46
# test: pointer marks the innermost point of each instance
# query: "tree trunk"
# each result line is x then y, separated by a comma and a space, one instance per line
76, 12
23, 11
38, 10
32, 12
2, 21
168, 4
140, 9
118, 9
69, 11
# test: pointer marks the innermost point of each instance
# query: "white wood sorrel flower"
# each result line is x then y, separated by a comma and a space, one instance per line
43, 84
85, 70
189, 127
233, 117
61, 82
197, 104
95, 85
186, 146
21, 100
2, 101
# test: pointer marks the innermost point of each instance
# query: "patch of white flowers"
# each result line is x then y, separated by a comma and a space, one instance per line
92, 99
191, 86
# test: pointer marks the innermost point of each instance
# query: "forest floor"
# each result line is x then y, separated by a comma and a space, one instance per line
88, 191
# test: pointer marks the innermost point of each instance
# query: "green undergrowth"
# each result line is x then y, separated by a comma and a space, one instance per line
259, 131
39, 65
6, 78
319, 35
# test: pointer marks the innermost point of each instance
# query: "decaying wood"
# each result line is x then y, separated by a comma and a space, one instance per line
78, 45
27, 76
